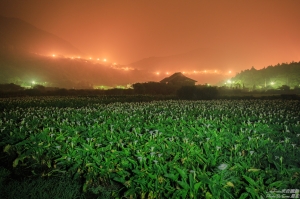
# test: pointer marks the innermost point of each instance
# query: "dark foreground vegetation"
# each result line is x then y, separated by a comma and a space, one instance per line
156, 91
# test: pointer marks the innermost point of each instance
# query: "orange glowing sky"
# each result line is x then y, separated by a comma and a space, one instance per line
257, 32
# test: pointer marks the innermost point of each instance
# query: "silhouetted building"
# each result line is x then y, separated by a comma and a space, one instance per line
178, 79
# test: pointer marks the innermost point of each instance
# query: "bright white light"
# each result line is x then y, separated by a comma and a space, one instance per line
229, 71
33, 82
229, 81
272, 83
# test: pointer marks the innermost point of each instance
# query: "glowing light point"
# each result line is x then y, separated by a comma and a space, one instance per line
114, 64
167, 73
205, 71
90, 58
229, 71
78, 57
98, 59
53, 55
215, 71
229, 81
194, 71
272, 83
33, 82
104, 60
157, 73
183, 72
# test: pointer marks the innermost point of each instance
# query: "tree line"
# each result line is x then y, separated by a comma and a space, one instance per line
281, 76
195, 92
149, 88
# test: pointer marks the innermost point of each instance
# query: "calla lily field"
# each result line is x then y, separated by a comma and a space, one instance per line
156, 149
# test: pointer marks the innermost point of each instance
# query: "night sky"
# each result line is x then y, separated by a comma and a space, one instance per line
257, 32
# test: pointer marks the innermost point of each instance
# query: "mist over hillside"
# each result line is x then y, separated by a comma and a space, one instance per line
24, 68
26, 58
200, 64
198, 59
17, 34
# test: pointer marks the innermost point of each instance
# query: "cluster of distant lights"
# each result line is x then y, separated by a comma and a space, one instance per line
158, 72
98, 59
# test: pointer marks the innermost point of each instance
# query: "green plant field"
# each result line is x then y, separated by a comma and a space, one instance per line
156, 149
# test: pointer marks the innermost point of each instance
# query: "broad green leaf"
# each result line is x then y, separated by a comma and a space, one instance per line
16, 162
6, 148
122, 180
277, 184
251, 181
244, 195
183, 184
252, 192
172, 176
197, 186
208, 195
204, 179
181, 172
